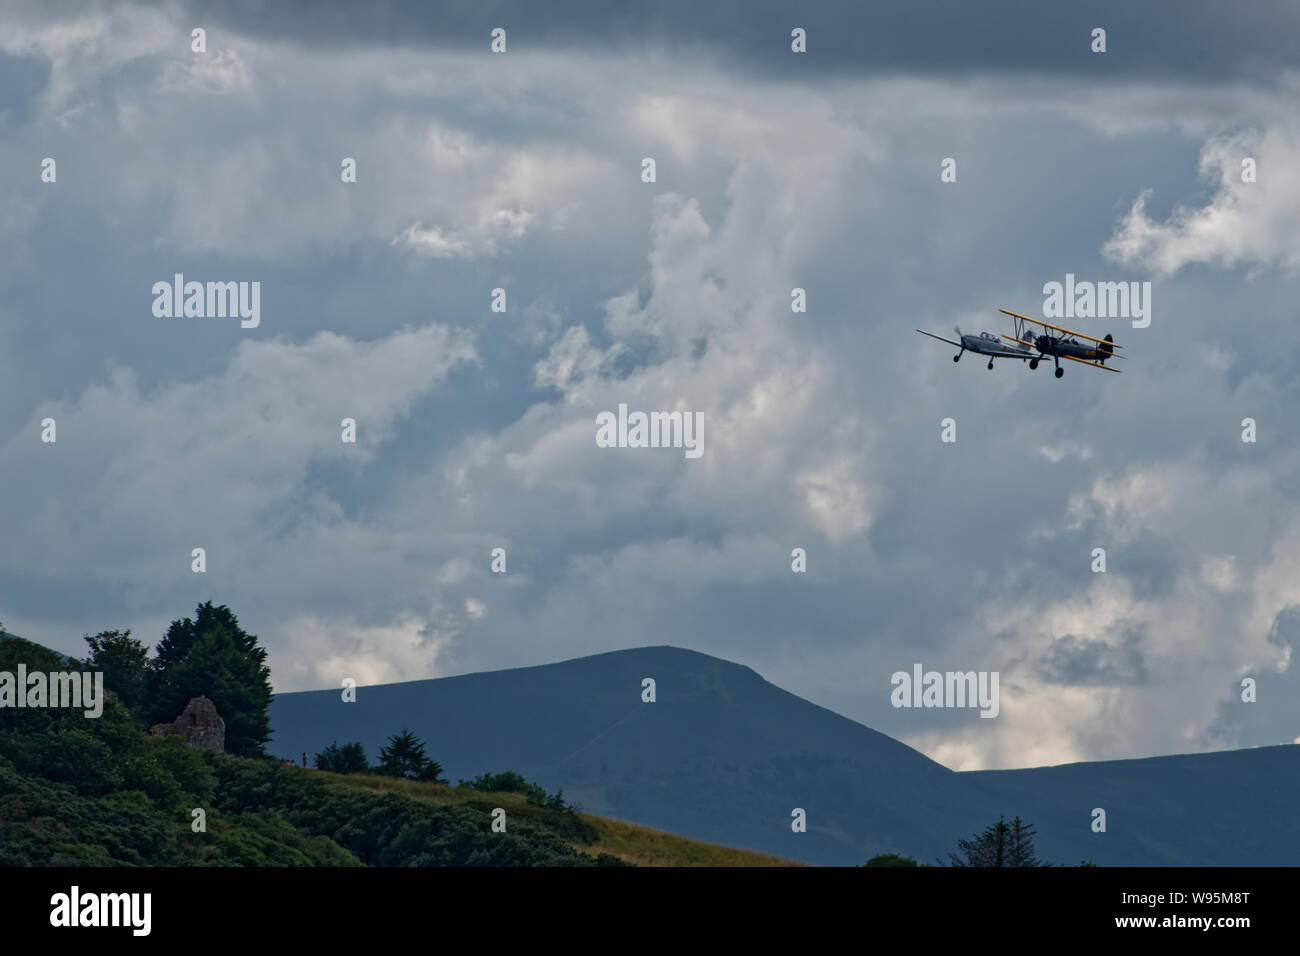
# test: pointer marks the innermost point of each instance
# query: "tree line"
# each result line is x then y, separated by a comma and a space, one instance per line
1000, 844
404, 756
207, 655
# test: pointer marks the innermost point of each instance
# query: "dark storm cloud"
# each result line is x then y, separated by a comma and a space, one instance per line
1195, 40
1086, 661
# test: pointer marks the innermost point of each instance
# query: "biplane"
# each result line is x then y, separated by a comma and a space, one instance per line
986, 343
1096, 352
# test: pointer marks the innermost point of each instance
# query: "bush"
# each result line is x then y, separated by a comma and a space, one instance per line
510, 782
67, 756
388, 829
350, 758
890, 859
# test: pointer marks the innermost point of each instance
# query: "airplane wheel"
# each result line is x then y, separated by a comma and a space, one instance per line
956, 358
990, 366
1060, 372
1033, 363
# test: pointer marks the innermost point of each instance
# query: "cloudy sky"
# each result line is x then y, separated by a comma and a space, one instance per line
774, 170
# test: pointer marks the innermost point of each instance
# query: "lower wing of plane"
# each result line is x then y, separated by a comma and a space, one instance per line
1006, 353
1093, 364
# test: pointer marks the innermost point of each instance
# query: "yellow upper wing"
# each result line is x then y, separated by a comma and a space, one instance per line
1049, 325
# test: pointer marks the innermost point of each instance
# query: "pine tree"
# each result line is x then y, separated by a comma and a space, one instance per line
1003, 844
1020, 849
405, 757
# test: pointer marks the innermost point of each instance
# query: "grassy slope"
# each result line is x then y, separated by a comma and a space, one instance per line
254, 839
631, 842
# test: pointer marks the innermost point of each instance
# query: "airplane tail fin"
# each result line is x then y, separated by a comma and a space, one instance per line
1106, 349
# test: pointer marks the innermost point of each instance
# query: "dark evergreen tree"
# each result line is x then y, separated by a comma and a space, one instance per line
1020, 845
405, 757
213, 656
987, 849
1003, 844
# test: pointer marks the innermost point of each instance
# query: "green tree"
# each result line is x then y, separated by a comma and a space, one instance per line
350, 758
405, 757
124, 662
1002, 844
213, 656
1020, 845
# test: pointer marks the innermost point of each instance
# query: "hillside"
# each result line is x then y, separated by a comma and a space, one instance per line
100, 793
629, 842
724, 756
77, 792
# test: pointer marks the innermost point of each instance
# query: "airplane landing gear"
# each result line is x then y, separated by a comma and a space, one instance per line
990, 365
957, 357
1033, 363
1060, 372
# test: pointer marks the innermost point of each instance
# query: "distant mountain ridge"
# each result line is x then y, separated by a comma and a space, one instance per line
725, 756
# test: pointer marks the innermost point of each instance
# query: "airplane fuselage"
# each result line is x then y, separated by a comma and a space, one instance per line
986, 343
1060, 345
